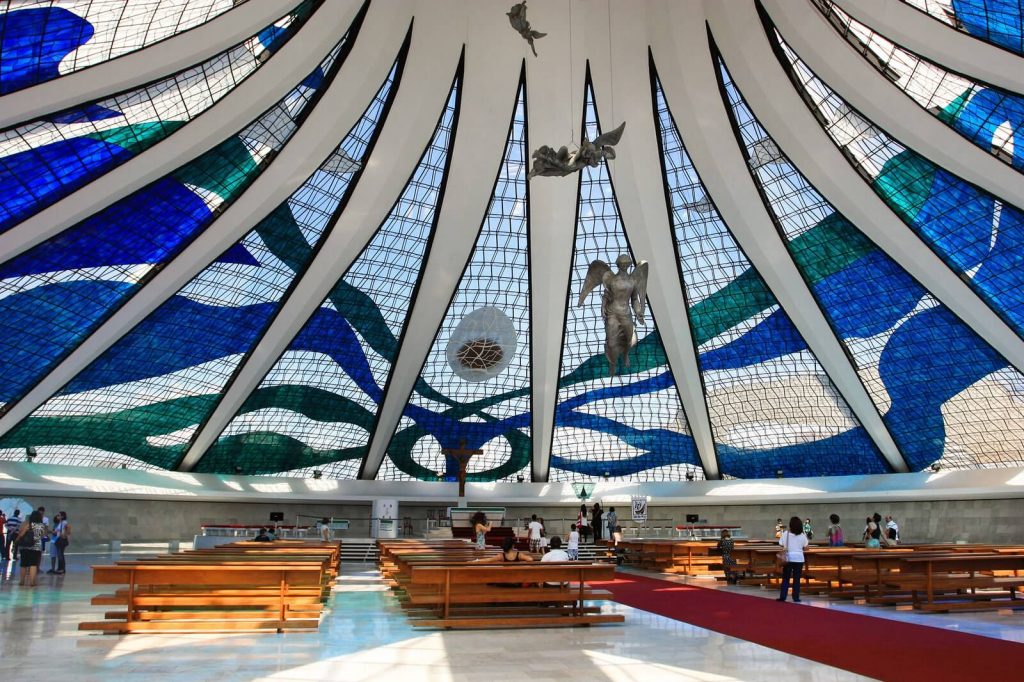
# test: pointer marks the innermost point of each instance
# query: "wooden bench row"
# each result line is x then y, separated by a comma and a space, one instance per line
439, 586
242, 586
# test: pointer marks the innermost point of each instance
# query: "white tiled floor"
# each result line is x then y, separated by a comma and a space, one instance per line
365, 637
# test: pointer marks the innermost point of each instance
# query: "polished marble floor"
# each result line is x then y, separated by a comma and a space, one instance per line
365, 637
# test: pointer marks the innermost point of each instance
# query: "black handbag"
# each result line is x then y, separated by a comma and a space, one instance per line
28, 540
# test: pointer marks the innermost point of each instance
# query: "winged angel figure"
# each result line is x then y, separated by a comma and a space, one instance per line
546, 161
622, 290
517, 17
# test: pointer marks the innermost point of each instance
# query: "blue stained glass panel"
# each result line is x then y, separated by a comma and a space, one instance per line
317, 405
771, 404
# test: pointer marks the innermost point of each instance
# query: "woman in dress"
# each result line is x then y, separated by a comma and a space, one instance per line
32, 549
481, 528
596, 513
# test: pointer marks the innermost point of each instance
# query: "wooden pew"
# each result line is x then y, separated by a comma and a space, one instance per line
478, 596
167, 596
926, 576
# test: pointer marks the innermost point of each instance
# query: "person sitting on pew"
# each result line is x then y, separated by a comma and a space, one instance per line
556, 553
262, 536
509, 554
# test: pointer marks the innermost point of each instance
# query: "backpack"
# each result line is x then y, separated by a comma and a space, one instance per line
837, 536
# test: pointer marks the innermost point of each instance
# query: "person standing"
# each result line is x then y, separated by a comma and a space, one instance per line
573, 548
892, 531
611, 521
61, 543
725, 547
779, 527
3, 536
835, 531
581, 523
807, 529
533, 533
13, 528
794, 541
595, 520
481, 528
30, 539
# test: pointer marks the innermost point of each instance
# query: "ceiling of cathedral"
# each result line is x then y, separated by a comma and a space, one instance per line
285, 236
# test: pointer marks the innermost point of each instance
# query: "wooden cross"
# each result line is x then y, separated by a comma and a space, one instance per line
461, 455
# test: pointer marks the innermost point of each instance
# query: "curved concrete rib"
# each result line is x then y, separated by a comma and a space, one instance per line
422, 95
232, 113
490, 83
553, 118
696, 103
338, 110
835, 61
640, 192
945, 45
768, 90
159, 60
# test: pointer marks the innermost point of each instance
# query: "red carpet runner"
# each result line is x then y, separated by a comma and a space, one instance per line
876, 647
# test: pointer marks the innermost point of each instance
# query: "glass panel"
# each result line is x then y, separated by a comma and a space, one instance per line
772, 406
996, 21
631, 426
474, 389
317, 406
44, 39
944, 393
44, 161
56, 294
979, 236
991, 118
148, 394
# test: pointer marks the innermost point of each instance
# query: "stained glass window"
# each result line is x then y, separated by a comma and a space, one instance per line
148, 394
978, 236
995, 21
771, 404
630, 426
317, 406
43, 39
475, 384
944, 394
991, 118
54, 295
47, 159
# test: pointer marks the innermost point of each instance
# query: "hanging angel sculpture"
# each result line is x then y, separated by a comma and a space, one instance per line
517, 17
548, 162
622, 290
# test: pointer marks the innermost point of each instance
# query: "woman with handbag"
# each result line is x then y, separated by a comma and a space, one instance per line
30, 546
793, 541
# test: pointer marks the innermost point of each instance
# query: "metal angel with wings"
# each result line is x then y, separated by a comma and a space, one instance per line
548, 162
625, 294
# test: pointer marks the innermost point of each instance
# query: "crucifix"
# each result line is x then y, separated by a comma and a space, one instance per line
462, 455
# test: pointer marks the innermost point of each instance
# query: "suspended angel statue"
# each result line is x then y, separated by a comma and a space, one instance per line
622, 290
517, 17
548, 162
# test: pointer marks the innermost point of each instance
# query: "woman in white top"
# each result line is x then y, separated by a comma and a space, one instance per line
794, 542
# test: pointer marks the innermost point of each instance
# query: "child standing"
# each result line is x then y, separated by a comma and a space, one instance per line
573, 549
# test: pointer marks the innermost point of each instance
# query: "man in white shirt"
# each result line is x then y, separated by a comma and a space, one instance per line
892, 531
534, 530
556, 553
